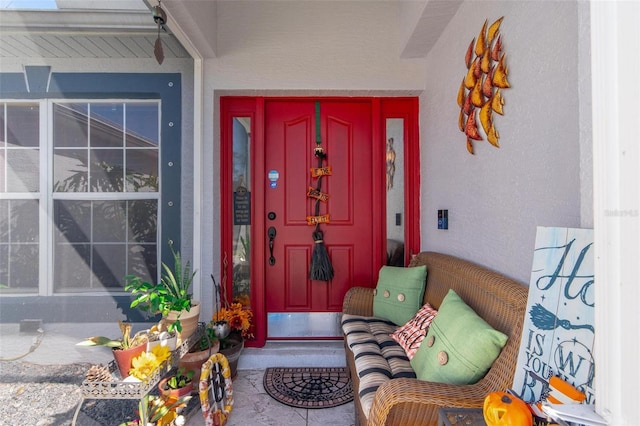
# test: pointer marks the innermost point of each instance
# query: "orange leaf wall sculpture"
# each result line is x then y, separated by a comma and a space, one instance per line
479, 95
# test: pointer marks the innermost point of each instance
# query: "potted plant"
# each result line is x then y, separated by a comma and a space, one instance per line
200, 353
124, 349
146, 365
158, 411
177, 385
170, 297
239, 320
159, 335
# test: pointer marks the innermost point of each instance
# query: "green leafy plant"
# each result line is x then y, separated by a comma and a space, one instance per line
125, 342
207, 340
152, 409
170, 294
181, 379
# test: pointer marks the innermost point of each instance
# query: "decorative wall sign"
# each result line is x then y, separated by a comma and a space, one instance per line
557, 338
480, 93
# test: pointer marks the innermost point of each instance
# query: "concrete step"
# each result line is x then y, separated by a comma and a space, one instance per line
293, 354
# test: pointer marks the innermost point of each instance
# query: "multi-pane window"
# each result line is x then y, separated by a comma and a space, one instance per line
97, 189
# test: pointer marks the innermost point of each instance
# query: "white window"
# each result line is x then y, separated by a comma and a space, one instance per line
79, 194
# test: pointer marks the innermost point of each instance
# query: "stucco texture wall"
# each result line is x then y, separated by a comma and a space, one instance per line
497, 197
311, 45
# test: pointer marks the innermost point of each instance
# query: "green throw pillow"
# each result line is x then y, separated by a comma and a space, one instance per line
399, 293
459, 347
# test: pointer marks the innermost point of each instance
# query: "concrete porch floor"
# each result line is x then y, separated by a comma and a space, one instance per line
252, 405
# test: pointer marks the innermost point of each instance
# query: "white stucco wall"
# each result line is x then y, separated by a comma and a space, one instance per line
311, 45
497, 197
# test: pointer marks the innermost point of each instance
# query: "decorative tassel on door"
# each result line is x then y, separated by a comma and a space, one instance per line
321, 268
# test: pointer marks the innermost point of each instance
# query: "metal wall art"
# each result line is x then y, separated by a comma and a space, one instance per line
480, 92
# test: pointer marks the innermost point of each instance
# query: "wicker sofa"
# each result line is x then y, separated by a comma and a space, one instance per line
500, 301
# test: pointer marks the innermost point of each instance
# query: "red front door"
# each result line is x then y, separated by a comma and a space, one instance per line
296, 305
266, 155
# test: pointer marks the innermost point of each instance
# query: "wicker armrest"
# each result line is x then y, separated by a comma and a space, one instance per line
416, 402
358, 301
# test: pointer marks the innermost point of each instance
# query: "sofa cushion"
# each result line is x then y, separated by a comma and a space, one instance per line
410, 335
377, 356
399, 292
460, 346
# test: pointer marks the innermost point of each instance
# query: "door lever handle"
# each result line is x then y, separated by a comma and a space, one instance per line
271, 232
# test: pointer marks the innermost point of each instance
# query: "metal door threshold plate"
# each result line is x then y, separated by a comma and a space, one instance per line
303, 325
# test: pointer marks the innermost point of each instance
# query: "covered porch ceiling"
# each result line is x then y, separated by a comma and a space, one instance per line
126, 29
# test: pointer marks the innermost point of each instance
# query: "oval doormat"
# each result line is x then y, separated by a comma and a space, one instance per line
309, 387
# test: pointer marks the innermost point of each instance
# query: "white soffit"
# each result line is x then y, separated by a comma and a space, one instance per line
425, 27
74, 33
193, 22
102, 4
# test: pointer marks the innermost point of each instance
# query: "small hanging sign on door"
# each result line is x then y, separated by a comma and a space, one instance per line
318, 195
241, 206
320, 171
316, 220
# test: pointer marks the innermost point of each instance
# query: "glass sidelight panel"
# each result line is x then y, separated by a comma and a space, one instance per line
241, 175
395, 191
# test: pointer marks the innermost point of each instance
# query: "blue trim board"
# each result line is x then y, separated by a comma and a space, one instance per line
12, 83
37, 78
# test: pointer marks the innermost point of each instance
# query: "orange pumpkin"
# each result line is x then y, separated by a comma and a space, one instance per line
502, 409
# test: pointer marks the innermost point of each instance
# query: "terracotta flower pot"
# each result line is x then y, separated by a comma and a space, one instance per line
174, 394
123, 358
194, 360
188, 320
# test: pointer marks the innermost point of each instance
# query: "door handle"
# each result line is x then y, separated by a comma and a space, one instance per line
271, 232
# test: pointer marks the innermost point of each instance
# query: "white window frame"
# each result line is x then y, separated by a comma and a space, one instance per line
46, 196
